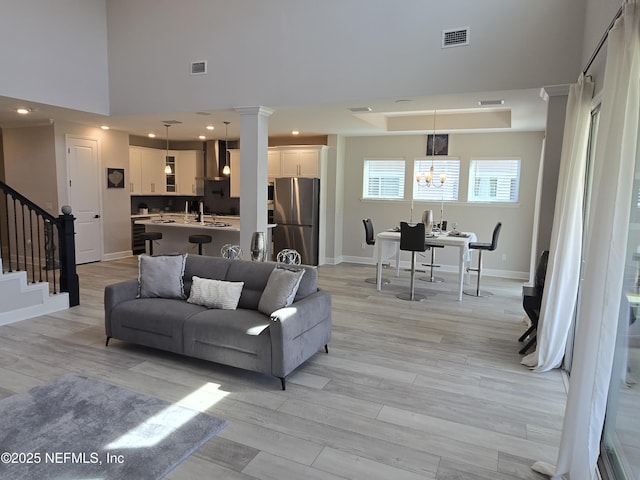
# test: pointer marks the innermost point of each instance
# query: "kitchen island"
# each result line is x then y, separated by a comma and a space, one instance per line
176, 230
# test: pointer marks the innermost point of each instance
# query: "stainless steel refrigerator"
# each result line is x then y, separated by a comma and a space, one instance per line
296, 211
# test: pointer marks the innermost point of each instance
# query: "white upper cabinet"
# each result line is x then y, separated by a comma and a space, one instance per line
186, 171
234, 165
300, 162
147, 174
274, 168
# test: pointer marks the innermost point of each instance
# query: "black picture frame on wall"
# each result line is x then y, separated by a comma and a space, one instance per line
115, 177
441, 144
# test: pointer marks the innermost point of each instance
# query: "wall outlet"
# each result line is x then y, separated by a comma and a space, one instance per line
504, 257
363, 245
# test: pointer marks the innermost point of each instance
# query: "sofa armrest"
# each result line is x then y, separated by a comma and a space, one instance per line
115, 294
299, 331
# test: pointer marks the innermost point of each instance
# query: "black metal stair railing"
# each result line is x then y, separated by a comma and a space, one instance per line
34, 241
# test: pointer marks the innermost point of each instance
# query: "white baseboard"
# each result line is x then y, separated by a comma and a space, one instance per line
117, 255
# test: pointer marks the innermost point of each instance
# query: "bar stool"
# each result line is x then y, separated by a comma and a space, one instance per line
412, 240
200, 239
370, 238
432, 265
481, 247
150, 237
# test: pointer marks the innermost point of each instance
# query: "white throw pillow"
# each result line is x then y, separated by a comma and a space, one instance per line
161, 276
280, 290
215, 293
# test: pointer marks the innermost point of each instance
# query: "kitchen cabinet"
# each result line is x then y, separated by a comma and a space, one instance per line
300, 162
274, 167
135, 170
234, 164
147, 171
152, 169
187, 170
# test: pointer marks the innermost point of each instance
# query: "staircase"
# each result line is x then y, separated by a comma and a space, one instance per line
37, 259
20, 300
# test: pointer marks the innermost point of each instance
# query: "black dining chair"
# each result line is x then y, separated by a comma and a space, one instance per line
481, 247
370, 239
532, 302
412, 240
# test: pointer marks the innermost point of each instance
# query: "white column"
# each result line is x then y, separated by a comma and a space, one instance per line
254, 143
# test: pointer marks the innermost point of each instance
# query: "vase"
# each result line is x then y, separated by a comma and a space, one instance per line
427, 219
258, 247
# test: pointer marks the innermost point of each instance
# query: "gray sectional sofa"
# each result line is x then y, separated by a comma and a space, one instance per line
247, 338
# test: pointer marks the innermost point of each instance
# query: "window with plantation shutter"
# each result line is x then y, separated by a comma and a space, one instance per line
494, 181
383, 179
449, 189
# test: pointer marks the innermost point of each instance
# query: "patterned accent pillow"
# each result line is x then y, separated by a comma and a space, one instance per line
280, 290
215, 293
161, 276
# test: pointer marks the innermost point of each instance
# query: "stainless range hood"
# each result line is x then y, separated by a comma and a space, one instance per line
214, 155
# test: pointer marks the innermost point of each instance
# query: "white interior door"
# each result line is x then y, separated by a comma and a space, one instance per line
84, 197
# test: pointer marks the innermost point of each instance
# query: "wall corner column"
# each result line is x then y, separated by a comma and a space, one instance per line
254, 143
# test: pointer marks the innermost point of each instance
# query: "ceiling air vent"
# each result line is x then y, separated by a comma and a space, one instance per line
455, 37
199, 68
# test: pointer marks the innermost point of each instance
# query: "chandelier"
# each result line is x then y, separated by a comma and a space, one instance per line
427, 179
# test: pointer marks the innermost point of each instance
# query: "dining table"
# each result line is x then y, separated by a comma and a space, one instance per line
388, 244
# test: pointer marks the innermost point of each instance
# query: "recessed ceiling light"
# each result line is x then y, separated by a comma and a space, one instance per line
202, 137
104, 127
485, 103
360, 109
23, 111
295, 132
151, 135
210, 127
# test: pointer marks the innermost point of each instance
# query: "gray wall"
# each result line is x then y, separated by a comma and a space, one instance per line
288, 52
512, 257
55, 53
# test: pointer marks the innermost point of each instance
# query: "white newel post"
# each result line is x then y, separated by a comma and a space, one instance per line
254, 143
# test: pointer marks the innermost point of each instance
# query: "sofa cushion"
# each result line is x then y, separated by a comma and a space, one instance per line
161, 276
280, 290
254, 275
215, 293
204, 267
234, 337
155, 322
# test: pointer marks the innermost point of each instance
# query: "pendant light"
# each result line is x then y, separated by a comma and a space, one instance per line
426, 179
226, 170
167, 168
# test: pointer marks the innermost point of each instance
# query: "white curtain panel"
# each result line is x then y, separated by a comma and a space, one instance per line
563, 268
605, 251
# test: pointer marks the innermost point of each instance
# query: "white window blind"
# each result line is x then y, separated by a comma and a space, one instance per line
383, 179
448, 191
494, 180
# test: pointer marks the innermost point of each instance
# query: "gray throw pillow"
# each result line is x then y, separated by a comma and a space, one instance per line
215, 293
280, 290
161, 276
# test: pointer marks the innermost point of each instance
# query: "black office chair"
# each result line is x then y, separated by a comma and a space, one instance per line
370, 238
532, 302
150, 237
412, 240
481, 247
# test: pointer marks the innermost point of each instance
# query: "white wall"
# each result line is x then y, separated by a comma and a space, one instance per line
116, 202
286, 52
517, 220
55, 52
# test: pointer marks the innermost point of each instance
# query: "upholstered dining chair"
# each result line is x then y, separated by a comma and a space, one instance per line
482, 247
370, 239
412, 240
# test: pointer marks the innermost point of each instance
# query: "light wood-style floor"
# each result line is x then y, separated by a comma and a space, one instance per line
429, 390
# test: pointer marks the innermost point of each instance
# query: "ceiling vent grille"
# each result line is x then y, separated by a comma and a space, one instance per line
455, 37
199, 68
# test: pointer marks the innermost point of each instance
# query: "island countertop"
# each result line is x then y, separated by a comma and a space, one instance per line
175, 229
